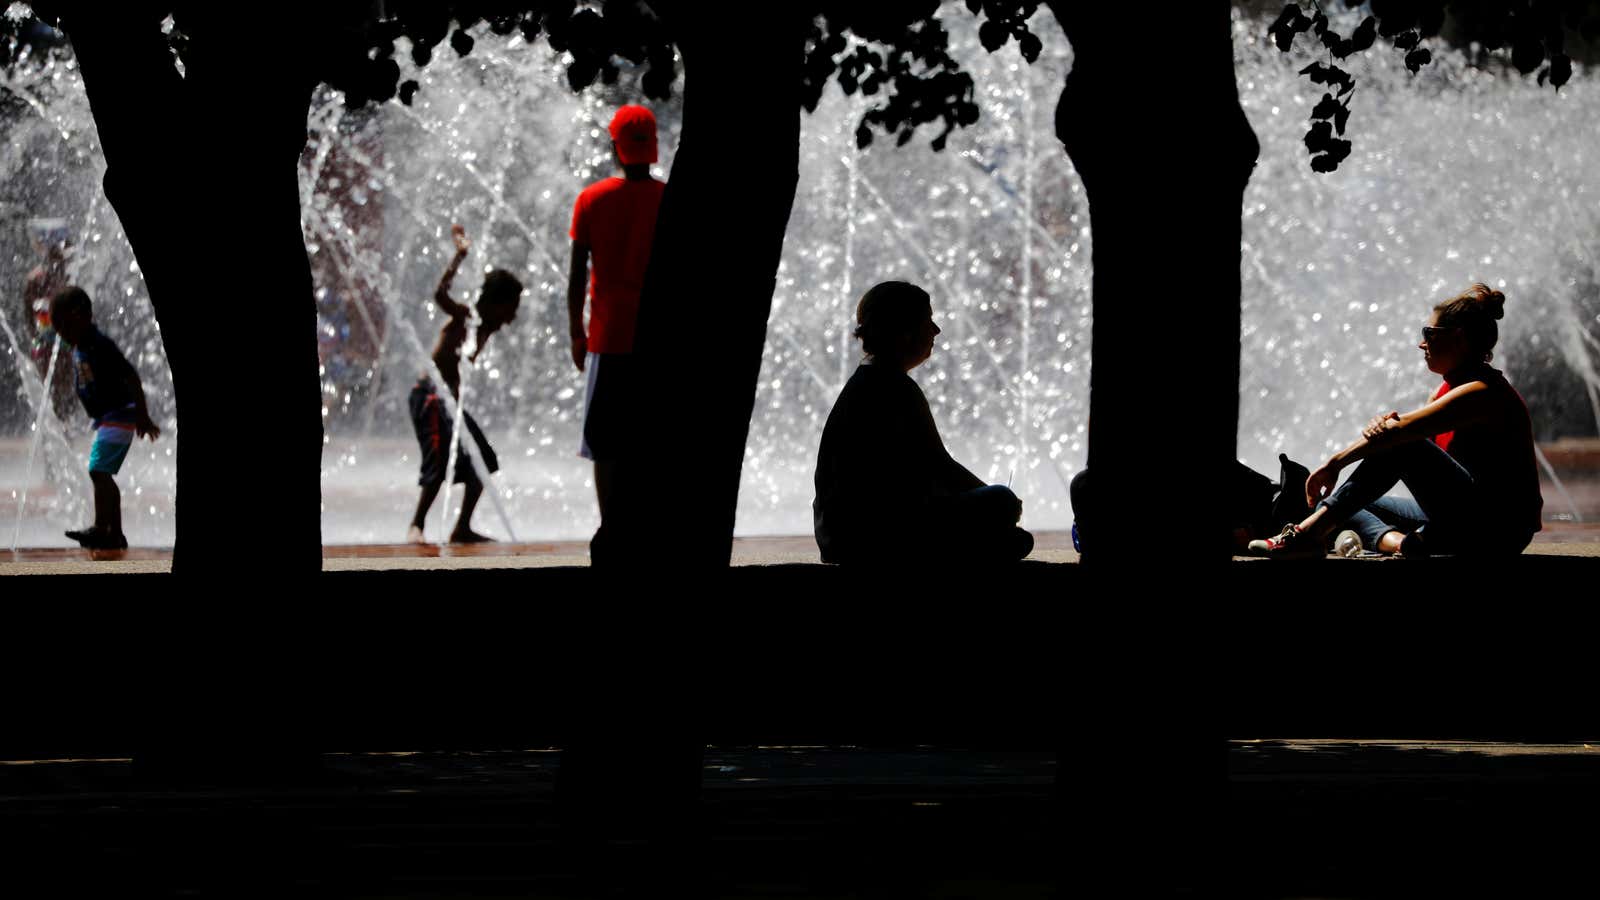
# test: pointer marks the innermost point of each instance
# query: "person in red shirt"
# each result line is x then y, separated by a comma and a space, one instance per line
613, 226
1467, 456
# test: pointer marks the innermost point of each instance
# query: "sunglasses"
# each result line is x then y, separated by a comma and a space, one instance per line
1429, 332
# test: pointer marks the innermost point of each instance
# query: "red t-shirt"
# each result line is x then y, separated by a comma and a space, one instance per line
1443, 440
1500, 454
616, 220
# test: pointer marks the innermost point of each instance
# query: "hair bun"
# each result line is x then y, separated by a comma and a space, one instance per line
1490, 300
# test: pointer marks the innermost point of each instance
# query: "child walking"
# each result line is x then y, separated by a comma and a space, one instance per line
112, 395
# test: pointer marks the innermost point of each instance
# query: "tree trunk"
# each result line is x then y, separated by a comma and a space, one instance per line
708, 291
1165, 152
202, 171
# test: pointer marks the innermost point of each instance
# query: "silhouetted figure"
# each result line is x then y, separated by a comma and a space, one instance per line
1467, 457
614, 221
112, 395
45, 281
886, 487
496, 307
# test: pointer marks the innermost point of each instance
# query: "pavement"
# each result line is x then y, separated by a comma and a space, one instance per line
1297, 818
1559, 539
768, 822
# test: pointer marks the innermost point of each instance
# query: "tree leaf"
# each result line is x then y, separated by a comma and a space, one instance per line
1418, 58
1319, 137
1326, 108
863, 136
461, 42
993, 35
1407, 40
1341, 117
408, 90
1366, 33
1560, 70
1334, 153
1289, 23
1030, 45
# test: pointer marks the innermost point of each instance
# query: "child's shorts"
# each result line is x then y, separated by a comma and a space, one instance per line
110, 448
434, 429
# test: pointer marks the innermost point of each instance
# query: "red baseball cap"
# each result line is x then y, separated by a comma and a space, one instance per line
633, 130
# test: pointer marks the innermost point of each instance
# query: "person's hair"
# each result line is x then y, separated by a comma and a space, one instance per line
888, 310
1475, 312
500, 288
73, 298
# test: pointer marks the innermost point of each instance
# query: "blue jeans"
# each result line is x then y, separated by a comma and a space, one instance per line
1449, 514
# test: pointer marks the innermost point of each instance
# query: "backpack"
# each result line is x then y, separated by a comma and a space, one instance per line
1256, 504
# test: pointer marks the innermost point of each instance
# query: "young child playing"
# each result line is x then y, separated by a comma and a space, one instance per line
496, 307
113, 396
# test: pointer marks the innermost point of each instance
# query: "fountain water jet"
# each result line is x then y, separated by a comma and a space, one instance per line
1335, 268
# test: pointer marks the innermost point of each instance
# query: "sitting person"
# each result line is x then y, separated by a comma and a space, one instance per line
886, 487
1467, 457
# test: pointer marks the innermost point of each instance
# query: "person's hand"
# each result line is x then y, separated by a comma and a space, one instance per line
1014, 511
1320, 483
1377, 428
146, 428
459, 235
580, 350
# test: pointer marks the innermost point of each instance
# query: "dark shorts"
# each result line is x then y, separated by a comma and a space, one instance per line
434, 428
608, 405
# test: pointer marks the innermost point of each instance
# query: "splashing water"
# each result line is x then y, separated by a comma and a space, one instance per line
1458, 175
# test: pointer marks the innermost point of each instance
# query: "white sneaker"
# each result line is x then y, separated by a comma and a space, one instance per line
1347, 544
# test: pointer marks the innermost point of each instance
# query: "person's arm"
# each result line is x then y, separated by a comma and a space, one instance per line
441, 294
142, 423
959, 477
1468, 404
577, 289
947, 474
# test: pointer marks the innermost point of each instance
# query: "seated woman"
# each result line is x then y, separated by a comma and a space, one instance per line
886, 488
1467, 457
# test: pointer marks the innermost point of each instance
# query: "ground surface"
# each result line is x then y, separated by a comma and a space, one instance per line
1558, 539
1300, 818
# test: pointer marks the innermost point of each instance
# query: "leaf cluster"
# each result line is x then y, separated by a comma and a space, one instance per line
595, 39
901, 51
896, 50
1534, 30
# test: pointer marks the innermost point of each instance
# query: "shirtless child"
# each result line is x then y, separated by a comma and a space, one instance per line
496, 307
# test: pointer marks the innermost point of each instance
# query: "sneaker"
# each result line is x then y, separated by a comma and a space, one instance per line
1347, 544
1413, 547
1291, 543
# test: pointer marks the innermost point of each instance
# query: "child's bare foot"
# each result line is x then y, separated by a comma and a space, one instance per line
414, 536
468, 536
